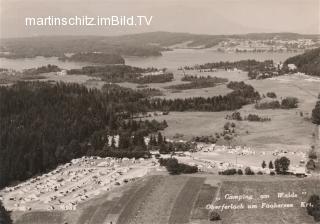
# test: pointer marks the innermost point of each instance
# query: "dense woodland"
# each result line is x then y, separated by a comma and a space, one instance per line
308, 63
124, 73
158, 78
242, 94
245, 65
197, 82
99, 58
112, 73
43, 69
286, 103
43, 125
4, 215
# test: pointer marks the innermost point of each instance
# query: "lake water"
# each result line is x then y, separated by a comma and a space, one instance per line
169, 59
25, 63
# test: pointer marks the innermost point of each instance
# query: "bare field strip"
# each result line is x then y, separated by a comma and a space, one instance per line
205, 197
158, 205
132, 207
86, 215
294, 215
182, 208
99, 208
50, 217
101, 213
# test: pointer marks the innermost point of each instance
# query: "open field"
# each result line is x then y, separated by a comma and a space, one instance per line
183, 199
206, 195
181, 210
205, 92
263, 214
287, 128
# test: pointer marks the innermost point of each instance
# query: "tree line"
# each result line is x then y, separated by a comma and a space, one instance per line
308, 62
241, 95
316, 112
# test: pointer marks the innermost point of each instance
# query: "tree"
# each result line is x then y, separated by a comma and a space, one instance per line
164, 149
271, 167
314, 209
289, 102
4, 215
228, 138
282, 165
311, 165
316, 114
214, 216
172, 166
271, 95
226, 126
113, 142
236, 116
160, 138
124, 141
248, 171
263, 165
312, 153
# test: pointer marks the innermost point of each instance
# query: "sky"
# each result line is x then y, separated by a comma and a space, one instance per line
192, 16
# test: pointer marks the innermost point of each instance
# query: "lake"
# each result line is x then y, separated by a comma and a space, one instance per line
169, 59
25, 63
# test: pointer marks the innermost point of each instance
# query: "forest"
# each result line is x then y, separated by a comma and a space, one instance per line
241, 95
197, 82
124, 73
43, 69
113, 73
308, 63
286, 103
158, 78
43, 125
99, 58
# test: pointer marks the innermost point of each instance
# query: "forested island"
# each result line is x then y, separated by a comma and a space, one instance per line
98, 58
124, 73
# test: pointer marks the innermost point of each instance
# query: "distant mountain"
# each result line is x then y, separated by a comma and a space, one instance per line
308, 62
144, 44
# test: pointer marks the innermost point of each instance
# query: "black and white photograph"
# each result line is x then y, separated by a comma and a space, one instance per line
159, 111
